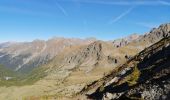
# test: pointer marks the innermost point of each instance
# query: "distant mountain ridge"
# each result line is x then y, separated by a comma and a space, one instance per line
18, 56
151, 37
28, 55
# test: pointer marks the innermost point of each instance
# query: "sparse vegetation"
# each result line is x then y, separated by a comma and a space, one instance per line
101, 89
133, 78
135, 98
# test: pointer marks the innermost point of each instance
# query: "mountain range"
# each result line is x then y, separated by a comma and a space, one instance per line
62, 68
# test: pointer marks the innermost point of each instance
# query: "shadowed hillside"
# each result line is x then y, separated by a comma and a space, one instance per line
145, 76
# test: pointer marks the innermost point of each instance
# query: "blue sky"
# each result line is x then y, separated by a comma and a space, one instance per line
26, 20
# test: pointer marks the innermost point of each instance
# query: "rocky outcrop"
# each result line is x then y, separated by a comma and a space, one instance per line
93, 50
157, 34
153, 36
155, 90
125, 41
112, 60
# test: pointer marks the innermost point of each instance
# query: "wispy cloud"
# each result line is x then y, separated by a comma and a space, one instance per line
125, 2
164, 2
62, 9
121, 15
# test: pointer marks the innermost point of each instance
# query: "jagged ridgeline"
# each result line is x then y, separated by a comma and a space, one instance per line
145, 76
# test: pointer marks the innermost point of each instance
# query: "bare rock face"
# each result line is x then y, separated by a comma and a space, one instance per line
88, 56
93, 50
124, 41
156, 91
153, 36
110, 96
157, 33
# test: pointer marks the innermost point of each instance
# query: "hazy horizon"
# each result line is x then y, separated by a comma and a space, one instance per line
55, 37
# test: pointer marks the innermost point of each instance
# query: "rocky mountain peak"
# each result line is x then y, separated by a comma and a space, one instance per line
162, 27
97, 46
165, 27
157, 33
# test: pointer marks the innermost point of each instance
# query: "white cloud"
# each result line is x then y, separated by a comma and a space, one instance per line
125, 2
164, 2
61, 8
121, 15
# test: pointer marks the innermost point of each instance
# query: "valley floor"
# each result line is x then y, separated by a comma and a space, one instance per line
51, 87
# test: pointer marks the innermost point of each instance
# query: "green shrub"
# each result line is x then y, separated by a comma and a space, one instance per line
134, 76
101, 89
